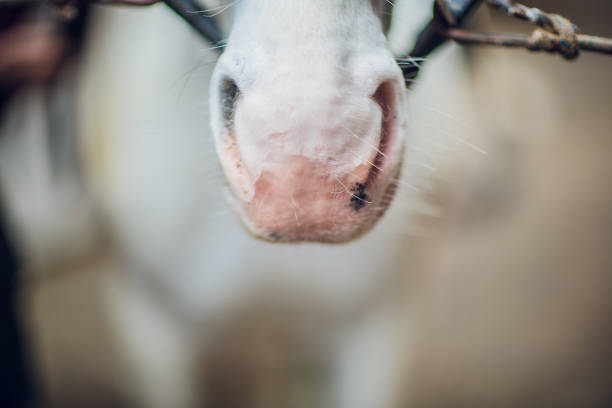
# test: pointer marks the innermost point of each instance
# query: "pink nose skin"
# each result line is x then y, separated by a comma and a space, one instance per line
302, 201
317, 167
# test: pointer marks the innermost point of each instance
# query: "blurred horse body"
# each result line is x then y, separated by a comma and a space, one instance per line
160, 188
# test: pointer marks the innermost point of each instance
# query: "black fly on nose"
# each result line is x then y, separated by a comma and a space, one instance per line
359, 197
228, 96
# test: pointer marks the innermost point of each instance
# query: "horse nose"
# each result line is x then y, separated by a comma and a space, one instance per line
311, 154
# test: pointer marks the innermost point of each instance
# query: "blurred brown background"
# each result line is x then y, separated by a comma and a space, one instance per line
505, 269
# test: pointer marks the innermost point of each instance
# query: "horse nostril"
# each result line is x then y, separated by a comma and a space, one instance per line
228, 96
386, 97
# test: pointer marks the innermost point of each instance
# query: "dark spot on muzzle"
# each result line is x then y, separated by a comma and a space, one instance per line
359, 197
274, 236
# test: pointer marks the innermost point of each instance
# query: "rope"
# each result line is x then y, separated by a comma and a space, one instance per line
563, 38
555, 33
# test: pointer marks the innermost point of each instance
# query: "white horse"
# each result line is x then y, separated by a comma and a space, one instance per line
308, 113
506, 307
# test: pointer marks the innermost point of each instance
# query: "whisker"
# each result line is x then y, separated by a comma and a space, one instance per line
364, 141
447, 115
215, 10
217, 214
398, 181
457, 138
412, 59
367, 160
295, 208
423, 165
